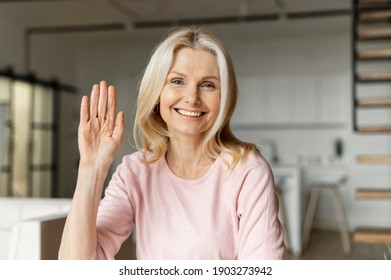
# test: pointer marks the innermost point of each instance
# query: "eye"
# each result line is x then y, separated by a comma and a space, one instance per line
208, 85
176, 82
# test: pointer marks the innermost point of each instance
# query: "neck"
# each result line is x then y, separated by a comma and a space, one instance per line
186, 160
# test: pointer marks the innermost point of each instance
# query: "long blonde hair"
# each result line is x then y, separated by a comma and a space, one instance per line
150, 131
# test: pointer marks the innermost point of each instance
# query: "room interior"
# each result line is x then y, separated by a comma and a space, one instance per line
314, 96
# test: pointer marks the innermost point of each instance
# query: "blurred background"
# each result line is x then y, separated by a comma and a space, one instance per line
314, 95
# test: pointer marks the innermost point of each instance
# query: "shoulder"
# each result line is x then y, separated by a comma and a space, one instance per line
135, 163
255, 159
132, 174
252, 169
251, 160
137, 158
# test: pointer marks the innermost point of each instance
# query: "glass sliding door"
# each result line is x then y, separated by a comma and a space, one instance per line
42, 165
38, 156
26, 139
5, 178
21, 111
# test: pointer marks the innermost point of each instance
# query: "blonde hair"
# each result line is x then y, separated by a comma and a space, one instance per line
150, 131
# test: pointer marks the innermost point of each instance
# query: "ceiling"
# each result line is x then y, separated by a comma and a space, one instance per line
154, 13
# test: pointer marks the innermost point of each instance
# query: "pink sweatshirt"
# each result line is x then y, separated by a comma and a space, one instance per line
222, 215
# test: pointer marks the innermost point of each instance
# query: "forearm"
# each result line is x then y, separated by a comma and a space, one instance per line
79, 238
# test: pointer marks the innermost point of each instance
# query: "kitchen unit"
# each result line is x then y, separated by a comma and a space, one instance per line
288, 180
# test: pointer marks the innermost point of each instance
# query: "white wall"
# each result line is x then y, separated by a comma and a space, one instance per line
294, 75
289, 74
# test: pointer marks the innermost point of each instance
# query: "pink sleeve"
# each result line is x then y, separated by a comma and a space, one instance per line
260, 231
115, 218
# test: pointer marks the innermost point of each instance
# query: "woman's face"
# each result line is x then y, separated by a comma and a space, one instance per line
190, 99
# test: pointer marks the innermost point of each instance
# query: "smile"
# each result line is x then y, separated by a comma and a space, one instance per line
190, 113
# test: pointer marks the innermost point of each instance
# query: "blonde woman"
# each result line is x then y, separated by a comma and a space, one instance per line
193, 190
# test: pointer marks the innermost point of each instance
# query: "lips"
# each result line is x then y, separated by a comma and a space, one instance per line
193, 114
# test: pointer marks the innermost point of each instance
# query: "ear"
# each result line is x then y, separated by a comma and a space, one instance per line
156, 109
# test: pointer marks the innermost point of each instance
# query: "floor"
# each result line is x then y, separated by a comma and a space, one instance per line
326, 245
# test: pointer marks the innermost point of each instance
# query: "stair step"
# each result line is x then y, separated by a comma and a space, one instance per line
374, 16
367, 159
365, 193
372, 235
374, 128
373, 3
374, 54
374, 102
380, 33
374, 77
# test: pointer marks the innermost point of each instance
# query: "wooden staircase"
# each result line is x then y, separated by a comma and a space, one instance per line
371, 29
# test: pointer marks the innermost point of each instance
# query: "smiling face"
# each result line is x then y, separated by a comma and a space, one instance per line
190, 98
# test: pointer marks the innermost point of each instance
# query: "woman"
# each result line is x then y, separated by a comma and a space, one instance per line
193, 190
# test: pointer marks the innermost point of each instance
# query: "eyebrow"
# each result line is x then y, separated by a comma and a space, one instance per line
184, 75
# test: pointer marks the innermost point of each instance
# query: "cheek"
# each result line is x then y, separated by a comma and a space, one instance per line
215, 104
167, 98
164, 108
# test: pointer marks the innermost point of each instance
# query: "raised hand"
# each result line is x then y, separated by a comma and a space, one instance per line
100, 130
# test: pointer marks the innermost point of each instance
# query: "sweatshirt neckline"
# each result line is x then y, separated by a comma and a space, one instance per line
205, 176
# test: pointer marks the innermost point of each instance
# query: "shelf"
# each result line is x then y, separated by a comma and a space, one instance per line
374, 102
366, 193
368, 159
374, 128
371, 34
372, 235
374, 77
363, 17
374, 54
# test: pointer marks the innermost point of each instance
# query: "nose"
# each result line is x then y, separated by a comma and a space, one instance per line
192, 95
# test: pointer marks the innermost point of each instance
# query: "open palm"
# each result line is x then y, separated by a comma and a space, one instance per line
100, 130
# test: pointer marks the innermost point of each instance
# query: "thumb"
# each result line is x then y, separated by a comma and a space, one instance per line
119, 127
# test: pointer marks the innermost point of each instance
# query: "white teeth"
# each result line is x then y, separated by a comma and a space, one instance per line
189, 114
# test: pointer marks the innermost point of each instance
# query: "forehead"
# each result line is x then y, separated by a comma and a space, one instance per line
187, 58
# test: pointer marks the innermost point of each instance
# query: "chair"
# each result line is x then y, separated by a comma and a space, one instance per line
332, 185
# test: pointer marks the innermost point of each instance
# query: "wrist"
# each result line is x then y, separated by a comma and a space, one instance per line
91, 177
96, 170
94, 165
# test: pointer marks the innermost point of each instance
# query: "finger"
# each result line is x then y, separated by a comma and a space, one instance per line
94, 102
119, 128
111, 106
84, 110
102, 105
